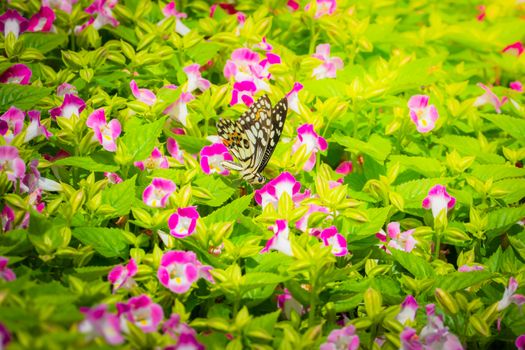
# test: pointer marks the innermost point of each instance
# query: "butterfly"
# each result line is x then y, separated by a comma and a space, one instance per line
253, 137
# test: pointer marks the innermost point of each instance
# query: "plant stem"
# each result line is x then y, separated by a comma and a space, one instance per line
438, 246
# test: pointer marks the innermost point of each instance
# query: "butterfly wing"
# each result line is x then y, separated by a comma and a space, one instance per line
233, 137
278, 118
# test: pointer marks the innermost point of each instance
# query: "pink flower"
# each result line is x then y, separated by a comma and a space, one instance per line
142, 312
396, 239
314, 143
302, 223
212, 158
293, 97
435, 335
515, 49
185, 336
101, 14
65, 88
143, 95
5, 336
330, 65
292, 5
174, 150
280, 241
105, 133
12, 22
156, 195
467, 268
113, 178
422, 114
195, 79
14, 119
8, 218
33, 181
178, 270
481, 15
64, 5
72, 105
344, 168
408, 310
16, 74
275, 188
6, 273
264, 45
244, 92
182, 223
11, 163
42, 21
520, 342
171, 11
489, 98
332, 238
98, 322
178, 110
287, 303
344, 338
517, 86
155, 161
122, 276
245, 65
323, 7
35, 127
438, 199
410, 340
510, 296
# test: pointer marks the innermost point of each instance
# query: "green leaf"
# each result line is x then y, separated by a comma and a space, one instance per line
377, 147
191, 144
504, 217
325, 87
469, 146
518, 243
44, 42
87, 163
108, 242
219, 190
140, 139
22, 96
429, 167
413, 192
515, 127
254, 280
231, 211
264, 323
417, 266
376, 217
203, 52
510, 190
120, 196
496, 171
460, 280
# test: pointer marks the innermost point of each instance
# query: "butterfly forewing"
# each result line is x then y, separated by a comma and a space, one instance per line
279, 112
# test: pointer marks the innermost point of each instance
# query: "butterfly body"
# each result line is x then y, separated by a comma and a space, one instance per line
253, 137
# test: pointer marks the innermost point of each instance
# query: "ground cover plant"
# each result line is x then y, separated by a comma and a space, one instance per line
391, 217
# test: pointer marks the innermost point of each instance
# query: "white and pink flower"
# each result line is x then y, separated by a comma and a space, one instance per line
65, 88
410, 340
422, 114
142, 312
105, 133
293, 97
515, 49
178, 270
72, 105
408, 311
469, 268
98, 322
185, 336
275, 188
16, 74
6, 273
246, 65
13, 22
113, 178
173, 149
332, 238
344, 168
11, 164
195, 79
510, 296
396, 239
7, 218
516, 86
63, 5
178, 110
293, 5
170, 10
280, 241
322, 7
42, 21
14, 123
329, 66
101, 14
212, 158
438, 199
243, 92
143, 95
344, 338
155, 161
314, 143
156, 195
489, 97
122, 276
35, 127
435, 335
302, 223
183, 222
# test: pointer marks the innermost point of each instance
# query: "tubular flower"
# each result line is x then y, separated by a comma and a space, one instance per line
155, 161
170, 10
322, 7
520, 342
101, 14
344, 338
332, 238
143, 95
438, 199
113, 178
122, 276
42, 21
185, 336
142, 312
244, 92
72, 105
195, 79
16, 74
422, 114
212, 158
5, 336
12, 22
178, 110
105, 133
11, 163
287, 303
156, 195
280, 240
515, 49
293, 97
408, 310
302, 223
7, 217
5, 272
178, 270
174, 150
329, 66
275, 188
65, 88
183, 222
516, 86
344, 168
35, 127
306, 135
246, 65
435, 335
396, 239
410, 340
63, 5
98, 322
467, 268
14, 120
489, 97
510, 296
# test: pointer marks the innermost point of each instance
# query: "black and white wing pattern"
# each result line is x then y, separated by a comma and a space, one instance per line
279, 112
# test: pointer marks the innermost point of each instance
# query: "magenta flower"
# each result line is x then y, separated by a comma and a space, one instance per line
178, 110
280, 241
101, 14
178, 270
122, 276
156, 195
410, 340
520, 342
105, 133
510, 296
16, 74
14, 120
287, 303
142, 312
293, 97
332, 238
396, 239
275, 188
113, 178
322, 7
344, 168
35, 127
245, 65
65, 88
515, 49
5, 272
195, 79
32, 181
171, 11
306, 135
422, 114
344, 338
467, 268
155, 161
185, 336
5, 336
182, 223
174, 150
11, 163
42, 21
212, 158
516, 86
7, 217
408, 310
63, 5
438, 199
98, 322
302, 223
143, 95
435, 335
244, 92
489, 98
330, 65
12, 22
72, 105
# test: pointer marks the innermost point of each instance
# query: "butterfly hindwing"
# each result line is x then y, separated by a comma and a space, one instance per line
279, 112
